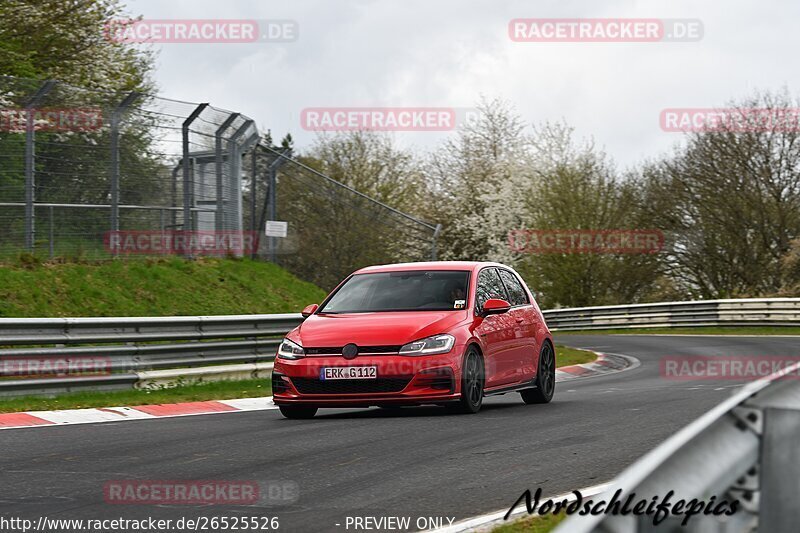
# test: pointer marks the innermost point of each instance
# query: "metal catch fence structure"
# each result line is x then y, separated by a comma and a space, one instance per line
79, 165
97, 174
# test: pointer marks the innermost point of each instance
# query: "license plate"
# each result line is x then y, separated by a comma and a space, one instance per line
348, 372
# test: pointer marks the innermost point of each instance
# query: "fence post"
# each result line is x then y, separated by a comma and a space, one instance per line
163, 217
272, 196
116, 117
30, 161
188, 171
234, 163
253, 191
174, 192
434, 251
52, 234
219, 223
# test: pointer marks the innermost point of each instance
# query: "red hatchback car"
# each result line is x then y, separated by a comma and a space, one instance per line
442, 332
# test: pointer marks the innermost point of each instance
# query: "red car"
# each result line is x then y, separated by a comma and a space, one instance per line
442, 332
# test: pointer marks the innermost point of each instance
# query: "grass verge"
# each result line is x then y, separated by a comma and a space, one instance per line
566, 356
150, 287
216, 390
537, 524
703, 330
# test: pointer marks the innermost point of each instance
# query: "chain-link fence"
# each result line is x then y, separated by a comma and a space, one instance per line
94, 174
333, 229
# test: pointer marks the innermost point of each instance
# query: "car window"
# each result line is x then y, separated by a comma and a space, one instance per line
515, 291
488, 286
414, 290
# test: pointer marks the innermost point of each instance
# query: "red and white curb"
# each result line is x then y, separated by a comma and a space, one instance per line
29, 419
605, 364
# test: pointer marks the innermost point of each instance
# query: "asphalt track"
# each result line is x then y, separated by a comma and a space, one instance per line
415, 462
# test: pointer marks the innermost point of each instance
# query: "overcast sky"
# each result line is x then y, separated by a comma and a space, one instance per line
447, 53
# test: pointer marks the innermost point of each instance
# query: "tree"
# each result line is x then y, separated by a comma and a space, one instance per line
347, 229
67, 40
477, 183
287, 142
731, 200
578, 188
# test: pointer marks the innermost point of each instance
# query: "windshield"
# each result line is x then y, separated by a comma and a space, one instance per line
424, 290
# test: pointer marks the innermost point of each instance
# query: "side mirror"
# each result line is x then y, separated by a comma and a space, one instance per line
495, 306
309, 310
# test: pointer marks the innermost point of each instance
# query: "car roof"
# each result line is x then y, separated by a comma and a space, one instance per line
429, 265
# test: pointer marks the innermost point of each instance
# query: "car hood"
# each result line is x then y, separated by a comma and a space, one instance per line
374, 329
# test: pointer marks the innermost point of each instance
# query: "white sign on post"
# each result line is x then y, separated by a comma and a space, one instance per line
276, 228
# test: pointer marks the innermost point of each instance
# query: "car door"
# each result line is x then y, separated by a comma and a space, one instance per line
525, 324
496, 331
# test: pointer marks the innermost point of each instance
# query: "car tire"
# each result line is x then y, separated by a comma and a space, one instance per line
298, 412
545, 382
473, 380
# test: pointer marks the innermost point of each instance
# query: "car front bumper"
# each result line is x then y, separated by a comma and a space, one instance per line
400, 380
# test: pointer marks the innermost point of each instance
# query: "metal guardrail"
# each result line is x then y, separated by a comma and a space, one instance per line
136, 345
738, 312
745, 448
131, 347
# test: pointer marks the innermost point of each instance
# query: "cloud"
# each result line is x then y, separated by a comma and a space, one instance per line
417, 53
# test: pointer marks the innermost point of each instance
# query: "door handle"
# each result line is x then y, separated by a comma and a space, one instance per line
520, 320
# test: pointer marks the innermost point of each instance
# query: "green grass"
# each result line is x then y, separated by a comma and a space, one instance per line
217, 390
536, 524
566, 356
703, 330
150, 287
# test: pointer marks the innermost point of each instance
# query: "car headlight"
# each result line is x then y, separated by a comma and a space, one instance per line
429, 345
290, 350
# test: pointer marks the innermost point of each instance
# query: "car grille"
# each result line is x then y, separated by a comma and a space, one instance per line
337, 350
350, 386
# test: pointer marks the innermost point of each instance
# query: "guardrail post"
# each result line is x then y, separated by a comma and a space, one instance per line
30, 161
116, 118
188, 171
218, 217
780, 470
